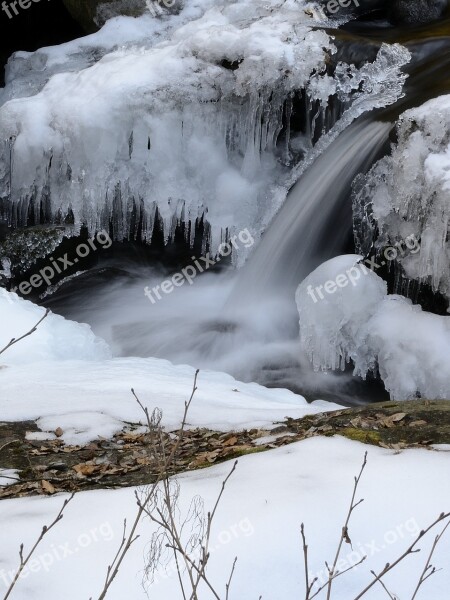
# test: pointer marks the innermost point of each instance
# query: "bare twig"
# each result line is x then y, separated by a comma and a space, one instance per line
162, 510
15, 341
210, 519
308, 585
335, 576
429, 570
227, 587
384, 587
24, 560
129, 540
344, 535
8, 444
410, 550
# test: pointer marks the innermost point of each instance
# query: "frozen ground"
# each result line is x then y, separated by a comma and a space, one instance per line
259, 521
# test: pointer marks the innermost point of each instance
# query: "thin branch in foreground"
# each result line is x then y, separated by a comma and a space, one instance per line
344, 535
410, 550
8, 444
333, 572
429, 570
228, 585
154, 424
15, 341
24, 560
391, 596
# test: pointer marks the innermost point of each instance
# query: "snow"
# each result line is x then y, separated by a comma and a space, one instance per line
259, 518
77, 386
55, 339
146, 114
359, 321
8, 477
408, 192
91, 399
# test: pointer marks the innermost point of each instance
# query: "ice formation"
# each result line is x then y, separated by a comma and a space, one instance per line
55, 339
346, 315
181, 116
409, 193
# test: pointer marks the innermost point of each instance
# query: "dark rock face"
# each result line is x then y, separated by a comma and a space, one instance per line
413, 12
92, 13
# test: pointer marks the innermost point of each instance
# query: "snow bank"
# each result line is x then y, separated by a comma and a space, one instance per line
92, 399
258, 520
55, 339
181, 114
76, 387
408, 192
346, 314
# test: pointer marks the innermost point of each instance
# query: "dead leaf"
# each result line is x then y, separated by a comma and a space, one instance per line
397, 417
85, 470
47, 487
231, 441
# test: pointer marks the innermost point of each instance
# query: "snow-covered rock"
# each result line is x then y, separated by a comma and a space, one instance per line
331, 322
347, 315
55, 339
181, 113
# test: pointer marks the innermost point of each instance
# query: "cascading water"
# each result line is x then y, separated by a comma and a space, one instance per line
316, 216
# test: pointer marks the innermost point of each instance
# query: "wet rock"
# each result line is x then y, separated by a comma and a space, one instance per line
87, 12
92, 14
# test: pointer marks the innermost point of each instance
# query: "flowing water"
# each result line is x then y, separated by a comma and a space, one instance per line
243, 322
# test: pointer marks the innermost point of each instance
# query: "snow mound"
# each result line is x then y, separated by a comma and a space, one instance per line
346, 315
408, 192
56, 339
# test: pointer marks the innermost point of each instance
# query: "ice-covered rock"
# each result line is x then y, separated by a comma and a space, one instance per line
409, 193
334, 302
55, 339
346, 315
177, 118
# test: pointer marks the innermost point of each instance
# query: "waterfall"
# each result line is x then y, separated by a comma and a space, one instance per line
316, 217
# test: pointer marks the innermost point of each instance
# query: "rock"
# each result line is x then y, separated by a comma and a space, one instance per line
414, 12
92, 14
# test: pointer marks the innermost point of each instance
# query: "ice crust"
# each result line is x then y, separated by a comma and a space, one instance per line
379, 333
